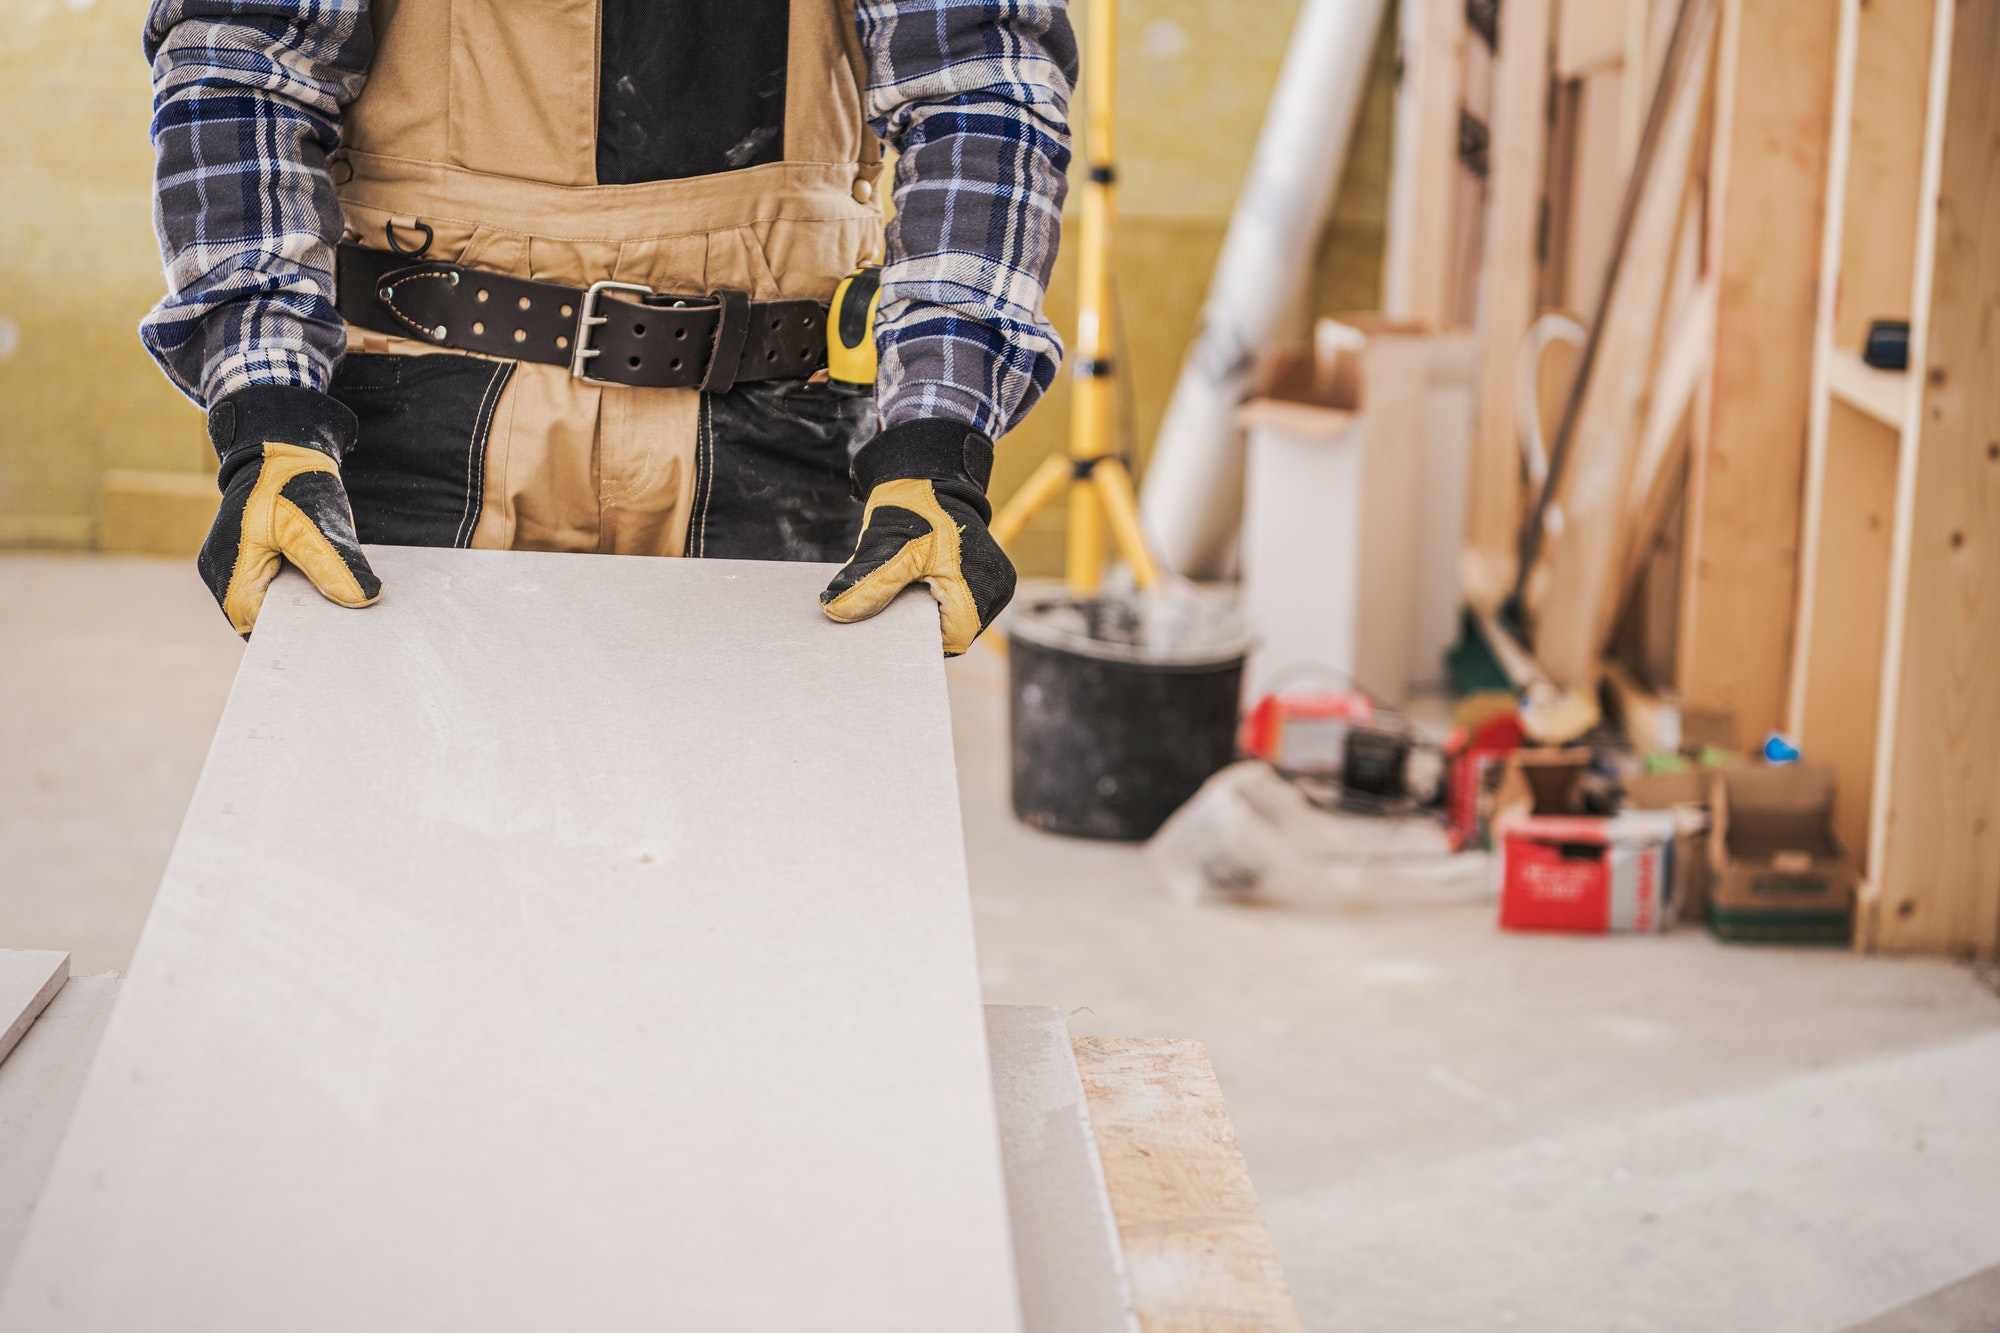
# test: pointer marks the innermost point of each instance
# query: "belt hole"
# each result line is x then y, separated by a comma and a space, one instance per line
561, 341
771, 355
567, 312
777, 324
520, 335
807, 321
526, 303
632, 361
478, 328
674, 364
805, 354
638, 330
484, 295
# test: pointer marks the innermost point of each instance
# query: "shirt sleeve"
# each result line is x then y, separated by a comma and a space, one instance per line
247, 103
974, 95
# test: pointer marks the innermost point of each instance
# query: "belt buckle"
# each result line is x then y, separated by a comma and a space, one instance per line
587, 319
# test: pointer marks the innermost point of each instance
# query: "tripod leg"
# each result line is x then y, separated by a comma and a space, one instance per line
1121, 509
1085, 563
1042, 486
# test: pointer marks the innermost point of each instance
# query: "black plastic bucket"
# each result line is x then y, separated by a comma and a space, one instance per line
1110, 736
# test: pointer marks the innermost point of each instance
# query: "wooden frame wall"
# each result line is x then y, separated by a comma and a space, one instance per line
1438, 189
1894, 676
1573, 80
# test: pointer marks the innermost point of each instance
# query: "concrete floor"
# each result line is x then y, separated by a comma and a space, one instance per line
1451, 1128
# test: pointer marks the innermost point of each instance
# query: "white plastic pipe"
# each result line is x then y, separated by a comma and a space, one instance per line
1193, 499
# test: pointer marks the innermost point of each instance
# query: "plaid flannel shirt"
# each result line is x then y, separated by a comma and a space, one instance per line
974, 95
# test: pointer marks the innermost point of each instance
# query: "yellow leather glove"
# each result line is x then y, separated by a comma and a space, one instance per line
926, 522
282, 500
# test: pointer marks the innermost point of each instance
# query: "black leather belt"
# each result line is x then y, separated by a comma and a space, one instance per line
636, 337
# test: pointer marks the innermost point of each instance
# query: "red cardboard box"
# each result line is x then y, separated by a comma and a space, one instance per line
1562, 872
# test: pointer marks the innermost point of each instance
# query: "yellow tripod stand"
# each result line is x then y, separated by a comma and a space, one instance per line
1100, 489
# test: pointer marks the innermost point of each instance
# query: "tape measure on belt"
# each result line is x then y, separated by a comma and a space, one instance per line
850, 331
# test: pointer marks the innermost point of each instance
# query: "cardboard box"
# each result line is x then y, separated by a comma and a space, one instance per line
1541, 782
1780, 874
1685, 794
1586, 873
1561, 869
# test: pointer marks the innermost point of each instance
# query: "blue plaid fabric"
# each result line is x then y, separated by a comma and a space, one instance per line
974, 95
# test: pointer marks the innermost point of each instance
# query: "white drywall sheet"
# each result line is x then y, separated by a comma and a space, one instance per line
39, 1085
1066, 1242
564, 942
29, 979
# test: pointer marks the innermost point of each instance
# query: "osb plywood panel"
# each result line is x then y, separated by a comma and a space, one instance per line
1196, 1245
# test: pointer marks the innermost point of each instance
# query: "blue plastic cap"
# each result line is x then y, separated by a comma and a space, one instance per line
1779, 750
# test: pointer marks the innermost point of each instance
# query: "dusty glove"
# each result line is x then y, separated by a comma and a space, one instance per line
926, 521
281, 497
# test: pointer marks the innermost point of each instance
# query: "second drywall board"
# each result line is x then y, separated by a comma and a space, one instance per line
39, 1084
563, 942
29, 979
1065, 1239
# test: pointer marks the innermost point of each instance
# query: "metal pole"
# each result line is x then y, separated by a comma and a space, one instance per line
1093, 399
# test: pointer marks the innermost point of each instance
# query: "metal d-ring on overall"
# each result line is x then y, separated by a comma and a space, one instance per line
389, 231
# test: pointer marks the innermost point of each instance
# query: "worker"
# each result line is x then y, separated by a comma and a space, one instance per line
556, 277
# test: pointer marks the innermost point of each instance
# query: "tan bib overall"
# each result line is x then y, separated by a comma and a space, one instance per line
734, 131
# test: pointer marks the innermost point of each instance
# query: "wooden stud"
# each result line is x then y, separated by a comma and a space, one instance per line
1417, 271
1598, 180
1509, 276
1868, 916
1878, 238
1881, 394
1858, 413
1936, 829
1837, 714
1577, 579
1590, 34
1773, 111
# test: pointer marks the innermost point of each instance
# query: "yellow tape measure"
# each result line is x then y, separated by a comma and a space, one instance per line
850, 331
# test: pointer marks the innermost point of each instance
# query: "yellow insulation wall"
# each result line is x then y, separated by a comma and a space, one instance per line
1194, 78
78, 267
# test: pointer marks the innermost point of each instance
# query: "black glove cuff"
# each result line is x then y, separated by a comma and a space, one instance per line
949, 453
239, 424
